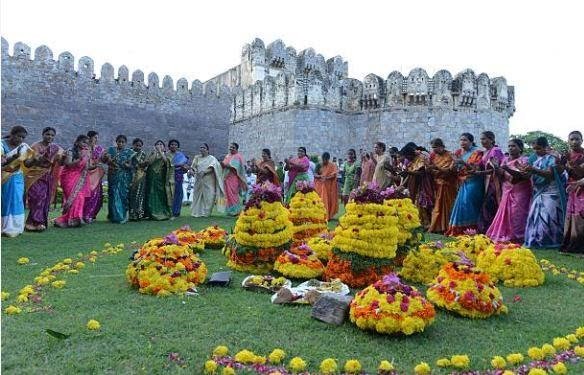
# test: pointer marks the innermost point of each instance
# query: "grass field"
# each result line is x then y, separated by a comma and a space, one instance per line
139, 331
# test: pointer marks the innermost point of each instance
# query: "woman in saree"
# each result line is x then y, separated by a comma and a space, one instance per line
419, 182
574, 225
441, 167
511, 217
14, 153
467, 206
382, 175
234, 180
138, 184
265, 169
75, 183
180, 164
94, 201
545, 221
352, 170
326, 186
159, 184
492, 158
297, 171
119, 159
367, 169
208, 182
41, 180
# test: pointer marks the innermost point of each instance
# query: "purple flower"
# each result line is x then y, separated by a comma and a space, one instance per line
171, 239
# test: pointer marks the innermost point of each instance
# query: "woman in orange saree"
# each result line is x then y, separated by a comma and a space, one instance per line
266, 169
325, 184
442, 168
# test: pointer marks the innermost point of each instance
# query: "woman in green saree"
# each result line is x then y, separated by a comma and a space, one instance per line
138, 184
159, 183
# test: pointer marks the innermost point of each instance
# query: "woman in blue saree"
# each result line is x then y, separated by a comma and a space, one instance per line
467, 206
180, 164
119, 159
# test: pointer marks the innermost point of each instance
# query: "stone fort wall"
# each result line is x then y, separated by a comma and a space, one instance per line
40, 91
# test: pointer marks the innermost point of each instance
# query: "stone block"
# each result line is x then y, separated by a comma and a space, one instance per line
331, 308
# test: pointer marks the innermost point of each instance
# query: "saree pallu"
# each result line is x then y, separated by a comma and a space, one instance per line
296, 174
94, 200
119, 179
545, 222
159, 187
421, 188
367, 171
493, 191
12, 196
574, 225
138, 188
328, 189
511, 217
75, 185
178, 160
207, 188
233, 182
40, 184
467, 206
445, 185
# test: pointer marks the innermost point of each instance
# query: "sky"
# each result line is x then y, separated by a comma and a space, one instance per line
536, 45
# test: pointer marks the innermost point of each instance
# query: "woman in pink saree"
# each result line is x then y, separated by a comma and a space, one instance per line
574, 226
234, 179
75, 184
94, 200
511, 217
492, 158
297, 171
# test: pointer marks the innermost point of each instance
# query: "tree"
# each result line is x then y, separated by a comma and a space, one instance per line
556, 143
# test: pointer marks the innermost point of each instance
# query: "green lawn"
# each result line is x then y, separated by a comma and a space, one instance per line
139, 331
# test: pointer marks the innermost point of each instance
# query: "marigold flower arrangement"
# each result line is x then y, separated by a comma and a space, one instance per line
322, 245
262, 232
194, 240
299, 263
409, 217
214, 237
307, 213
391, 307
422, 265
365, 240
464, 289
163, 266
515, 265
471, 245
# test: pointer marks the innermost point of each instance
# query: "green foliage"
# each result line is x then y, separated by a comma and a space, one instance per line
556, 143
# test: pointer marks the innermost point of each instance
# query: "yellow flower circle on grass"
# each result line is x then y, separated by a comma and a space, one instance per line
93, 325
23, 260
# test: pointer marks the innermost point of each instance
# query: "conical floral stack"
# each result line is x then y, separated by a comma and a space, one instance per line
423, 264
307, 213
365, 240
194, 240
299, 263
513, 264
409, 224
214, 237
262, 232
322, 245
389, 306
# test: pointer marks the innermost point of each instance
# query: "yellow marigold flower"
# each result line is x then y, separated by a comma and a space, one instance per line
498, 362
580, 332
245, 356
67, 260
228, 371
79, 265
74, 272
561, 343
443, 362
11, 310
107, 244
560, 368
508, 372
328, 366
352, 366
5, 296
220, 351
28, 289
93, 325
58, 284
259, 359
22, 298
572, 338
210, 367
515, 358
535, 353
385, 366
460, 361
23, 260
422, 369
548, 349
276, 356
297, 364
92, 259
579, 350
537, 371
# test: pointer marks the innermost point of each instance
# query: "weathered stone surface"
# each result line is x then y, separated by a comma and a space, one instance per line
331, 308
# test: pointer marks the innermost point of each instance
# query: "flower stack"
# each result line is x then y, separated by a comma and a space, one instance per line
391, 307
423, 264
299, 263
163, 266
214, 237
262, 231
322, 245
365, 240
513, 264
307, 213
187, 237
462, 288
471, 244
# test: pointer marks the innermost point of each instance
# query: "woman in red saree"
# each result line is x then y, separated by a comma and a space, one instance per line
266, 169
234, 179
419, 183
41, 179
297, 171
325, 184
441, 167
574, 226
